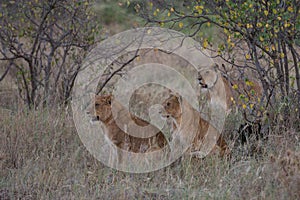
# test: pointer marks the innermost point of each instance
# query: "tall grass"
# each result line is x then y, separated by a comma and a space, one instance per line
43, 158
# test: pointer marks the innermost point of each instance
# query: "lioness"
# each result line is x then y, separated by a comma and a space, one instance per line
102, 111
235, 90
172, 111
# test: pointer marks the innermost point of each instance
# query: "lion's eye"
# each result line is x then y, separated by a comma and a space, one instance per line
97, 104
168, 104
109, 102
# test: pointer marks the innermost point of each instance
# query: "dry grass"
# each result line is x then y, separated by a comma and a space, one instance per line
42, 157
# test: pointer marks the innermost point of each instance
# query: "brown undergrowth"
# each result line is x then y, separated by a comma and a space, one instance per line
42, 157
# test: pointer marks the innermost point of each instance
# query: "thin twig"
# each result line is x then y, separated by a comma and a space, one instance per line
118, 70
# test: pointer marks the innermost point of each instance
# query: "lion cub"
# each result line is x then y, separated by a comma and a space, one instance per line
172, 111
102, 111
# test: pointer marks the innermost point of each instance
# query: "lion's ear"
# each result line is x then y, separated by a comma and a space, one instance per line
109, 99
174, 94
180, 99
177, 95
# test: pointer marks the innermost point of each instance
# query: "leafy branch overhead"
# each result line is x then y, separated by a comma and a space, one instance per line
256, 38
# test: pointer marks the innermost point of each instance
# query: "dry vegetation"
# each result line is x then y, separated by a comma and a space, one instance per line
42, 157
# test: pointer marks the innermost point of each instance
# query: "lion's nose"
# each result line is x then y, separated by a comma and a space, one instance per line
94, 119
203, 85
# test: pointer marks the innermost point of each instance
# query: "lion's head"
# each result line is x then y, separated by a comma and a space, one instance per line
101, 107
172, 107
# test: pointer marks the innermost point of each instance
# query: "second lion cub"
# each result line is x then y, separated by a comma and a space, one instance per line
172, 110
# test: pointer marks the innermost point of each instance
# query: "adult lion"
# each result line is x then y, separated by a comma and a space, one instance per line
102, 111
240, 92
173, 111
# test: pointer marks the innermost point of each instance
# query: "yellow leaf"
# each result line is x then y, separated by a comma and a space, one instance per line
259, 25
251, 105
286, 24
169, 14
199, 9
229, 39
267, 25
244, 106
235, 87
180, 24
205, 44
290, 8
172, 9
249, 83
281, 55
267, 48
266, 12
273, 47
226, 31
248, 56
279, 18
261, 38
208, 24
249, 26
